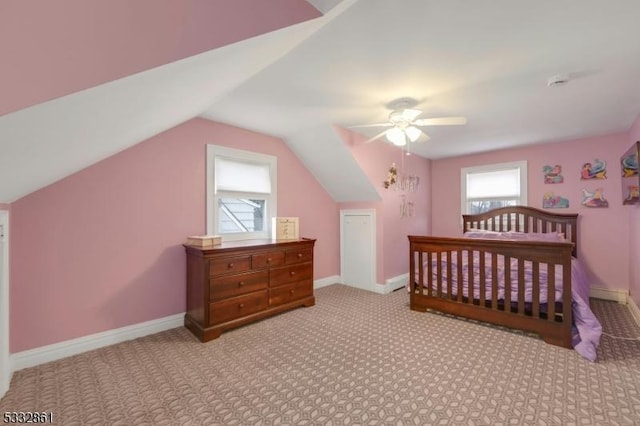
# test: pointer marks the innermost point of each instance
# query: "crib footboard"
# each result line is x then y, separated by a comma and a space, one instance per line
518, 284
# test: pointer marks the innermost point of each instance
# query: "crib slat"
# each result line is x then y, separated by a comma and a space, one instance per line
429, 274
535, 303
494, 281
521, 286
483, 278
551, 291
449, 277
470, 261
439, 274
507, 283
420, 273
459, 270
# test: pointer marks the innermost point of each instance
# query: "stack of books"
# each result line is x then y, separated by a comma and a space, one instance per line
204, 240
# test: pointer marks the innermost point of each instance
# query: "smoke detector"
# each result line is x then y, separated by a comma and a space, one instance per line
558, 80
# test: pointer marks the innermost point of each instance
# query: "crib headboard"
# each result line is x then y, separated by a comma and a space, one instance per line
525, 219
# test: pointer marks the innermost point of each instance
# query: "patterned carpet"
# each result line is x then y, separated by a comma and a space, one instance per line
354, 358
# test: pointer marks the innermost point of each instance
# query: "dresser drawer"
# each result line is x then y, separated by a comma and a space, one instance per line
237, 284
298, 256
237, 307
264, 260
289, 274
290, 292
229, 265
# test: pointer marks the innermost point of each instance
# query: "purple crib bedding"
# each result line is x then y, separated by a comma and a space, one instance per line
586, 327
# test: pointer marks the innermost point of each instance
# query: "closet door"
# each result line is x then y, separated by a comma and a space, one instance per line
358, 248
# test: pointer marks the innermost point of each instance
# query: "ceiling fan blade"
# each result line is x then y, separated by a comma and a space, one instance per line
442, 121
371, 125
378, 136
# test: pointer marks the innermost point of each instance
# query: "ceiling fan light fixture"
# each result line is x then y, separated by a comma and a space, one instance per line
396, 136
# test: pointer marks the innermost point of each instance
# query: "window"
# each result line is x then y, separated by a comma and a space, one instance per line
491, 186
241, 193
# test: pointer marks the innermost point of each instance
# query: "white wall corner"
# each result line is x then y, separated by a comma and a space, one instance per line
43, 354
323, 282
635, 311
5, 359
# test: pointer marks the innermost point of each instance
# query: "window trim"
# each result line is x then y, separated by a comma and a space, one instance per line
213, 151
524, 179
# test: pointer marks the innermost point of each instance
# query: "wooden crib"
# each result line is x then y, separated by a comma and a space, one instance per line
478, 278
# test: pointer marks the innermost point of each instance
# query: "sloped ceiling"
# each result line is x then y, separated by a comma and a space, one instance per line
487, 61
53, 48
45, 142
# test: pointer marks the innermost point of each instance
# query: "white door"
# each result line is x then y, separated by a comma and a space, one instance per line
5, 371
358, 248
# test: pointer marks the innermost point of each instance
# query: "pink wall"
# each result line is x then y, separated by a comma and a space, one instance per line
102, 248
603, 232
4, 206
61, 47
634, 231
393, 246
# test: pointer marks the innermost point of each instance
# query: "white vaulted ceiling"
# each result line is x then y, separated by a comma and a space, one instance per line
488, 61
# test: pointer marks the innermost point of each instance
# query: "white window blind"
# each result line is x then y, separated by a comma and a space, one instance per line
240, 176
493, 184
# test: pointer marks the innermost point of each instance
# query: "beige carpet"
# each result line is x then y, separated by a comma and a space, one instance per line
355, 358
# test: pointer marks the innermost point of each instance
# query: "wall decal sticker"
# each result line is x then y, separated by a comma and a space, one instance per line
594, 199
595, 170
551, 201
553, 174
633, 195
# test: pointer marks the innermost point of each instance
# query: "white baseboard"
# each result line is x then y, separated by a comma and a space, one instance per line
620, 296
323, 282
635, 311
44, 354
41, 355
392, 284
397, 282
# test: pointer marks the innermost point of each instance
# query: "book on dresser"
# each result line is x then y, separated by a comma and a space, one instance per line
239, 282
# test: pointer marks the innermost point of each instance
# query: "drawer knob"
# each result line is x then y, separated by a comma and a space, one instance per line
269, 260
292, 291
241, 305
241, 283
293, 273
230, 265
299, 255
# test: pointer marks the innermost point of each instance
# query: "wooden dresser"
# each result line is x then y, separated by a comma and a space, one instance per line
240, 282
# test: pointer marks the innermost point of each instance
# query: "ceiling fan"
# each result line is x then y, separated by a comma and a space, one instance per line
405, 125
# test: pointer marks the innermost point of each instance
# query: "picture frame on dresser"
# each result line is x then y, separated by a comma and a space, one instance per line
240, 282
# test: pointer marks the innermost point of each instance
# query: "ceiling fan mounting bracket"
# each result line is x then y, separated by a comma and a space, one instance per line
402, 103
398, 119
